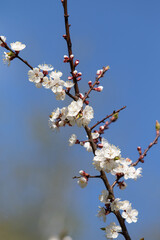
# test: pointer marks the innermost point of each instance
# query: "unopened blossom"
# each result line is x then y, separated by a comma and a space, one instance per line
99, 71
112, 230
102, 213
130, 215
45, 67
116, 205
72, 139
17, 46
3, 38
88, 147
35, 75
104, 196
82, 182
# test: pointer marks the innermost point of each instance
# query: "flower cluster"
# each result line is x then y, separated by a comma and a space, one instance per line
71, 115
16, 47
108, 158
41, 77
129, 214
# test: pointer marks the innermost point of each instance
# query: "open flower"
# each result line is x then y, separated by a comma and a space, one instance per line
35, 75
82, 182
112, 230
45, 67
17, 46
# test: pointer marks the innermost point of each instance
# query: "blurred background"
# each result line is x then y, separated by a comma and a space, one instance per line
38, 198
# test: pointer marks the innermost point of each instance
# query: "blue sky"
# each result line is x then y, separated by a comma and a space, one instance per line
123, 34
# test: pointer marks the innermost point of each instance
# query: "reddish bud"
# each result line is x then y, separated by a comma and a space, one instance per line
79, 78
70, 78
64, 36
76, 62
90, 83
71, 56
79, 74
45, 73
100, 145
86, 102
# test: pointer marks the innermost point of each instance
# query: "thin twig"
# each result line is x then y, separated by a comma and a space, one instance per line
108, 116
141, 157
96, 81
69, 46
15, 54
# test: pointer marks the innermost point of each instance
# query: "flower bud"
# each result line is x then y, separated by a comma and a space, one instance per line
90, 83
82, 172
76, 62
99, 71
79, 78
99, 89
64, 36
71, 56
157, 125
70, 78
79, 74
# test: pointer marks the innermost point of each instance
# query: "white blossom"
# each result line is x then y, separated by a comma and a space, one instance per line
112, 230
130, 215
104, 196
95, 135
3, 38
56, 75
116, 205
6, 58
68, 84
72, 140
17, 46
60, 95
74, 108
45, 67
86, 116
35, 75
88, 147
82, 182
54, 115
102, 213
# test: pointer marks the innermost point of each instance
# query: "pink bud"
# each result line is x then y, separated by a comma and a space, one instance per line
64, 36
71, 56
70, 78
79, 74
81, 95
99, 89
99, 71
76, 62
86, 102
101, 128
82, 172
100, 145
66, 57
79, 78
90, 83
